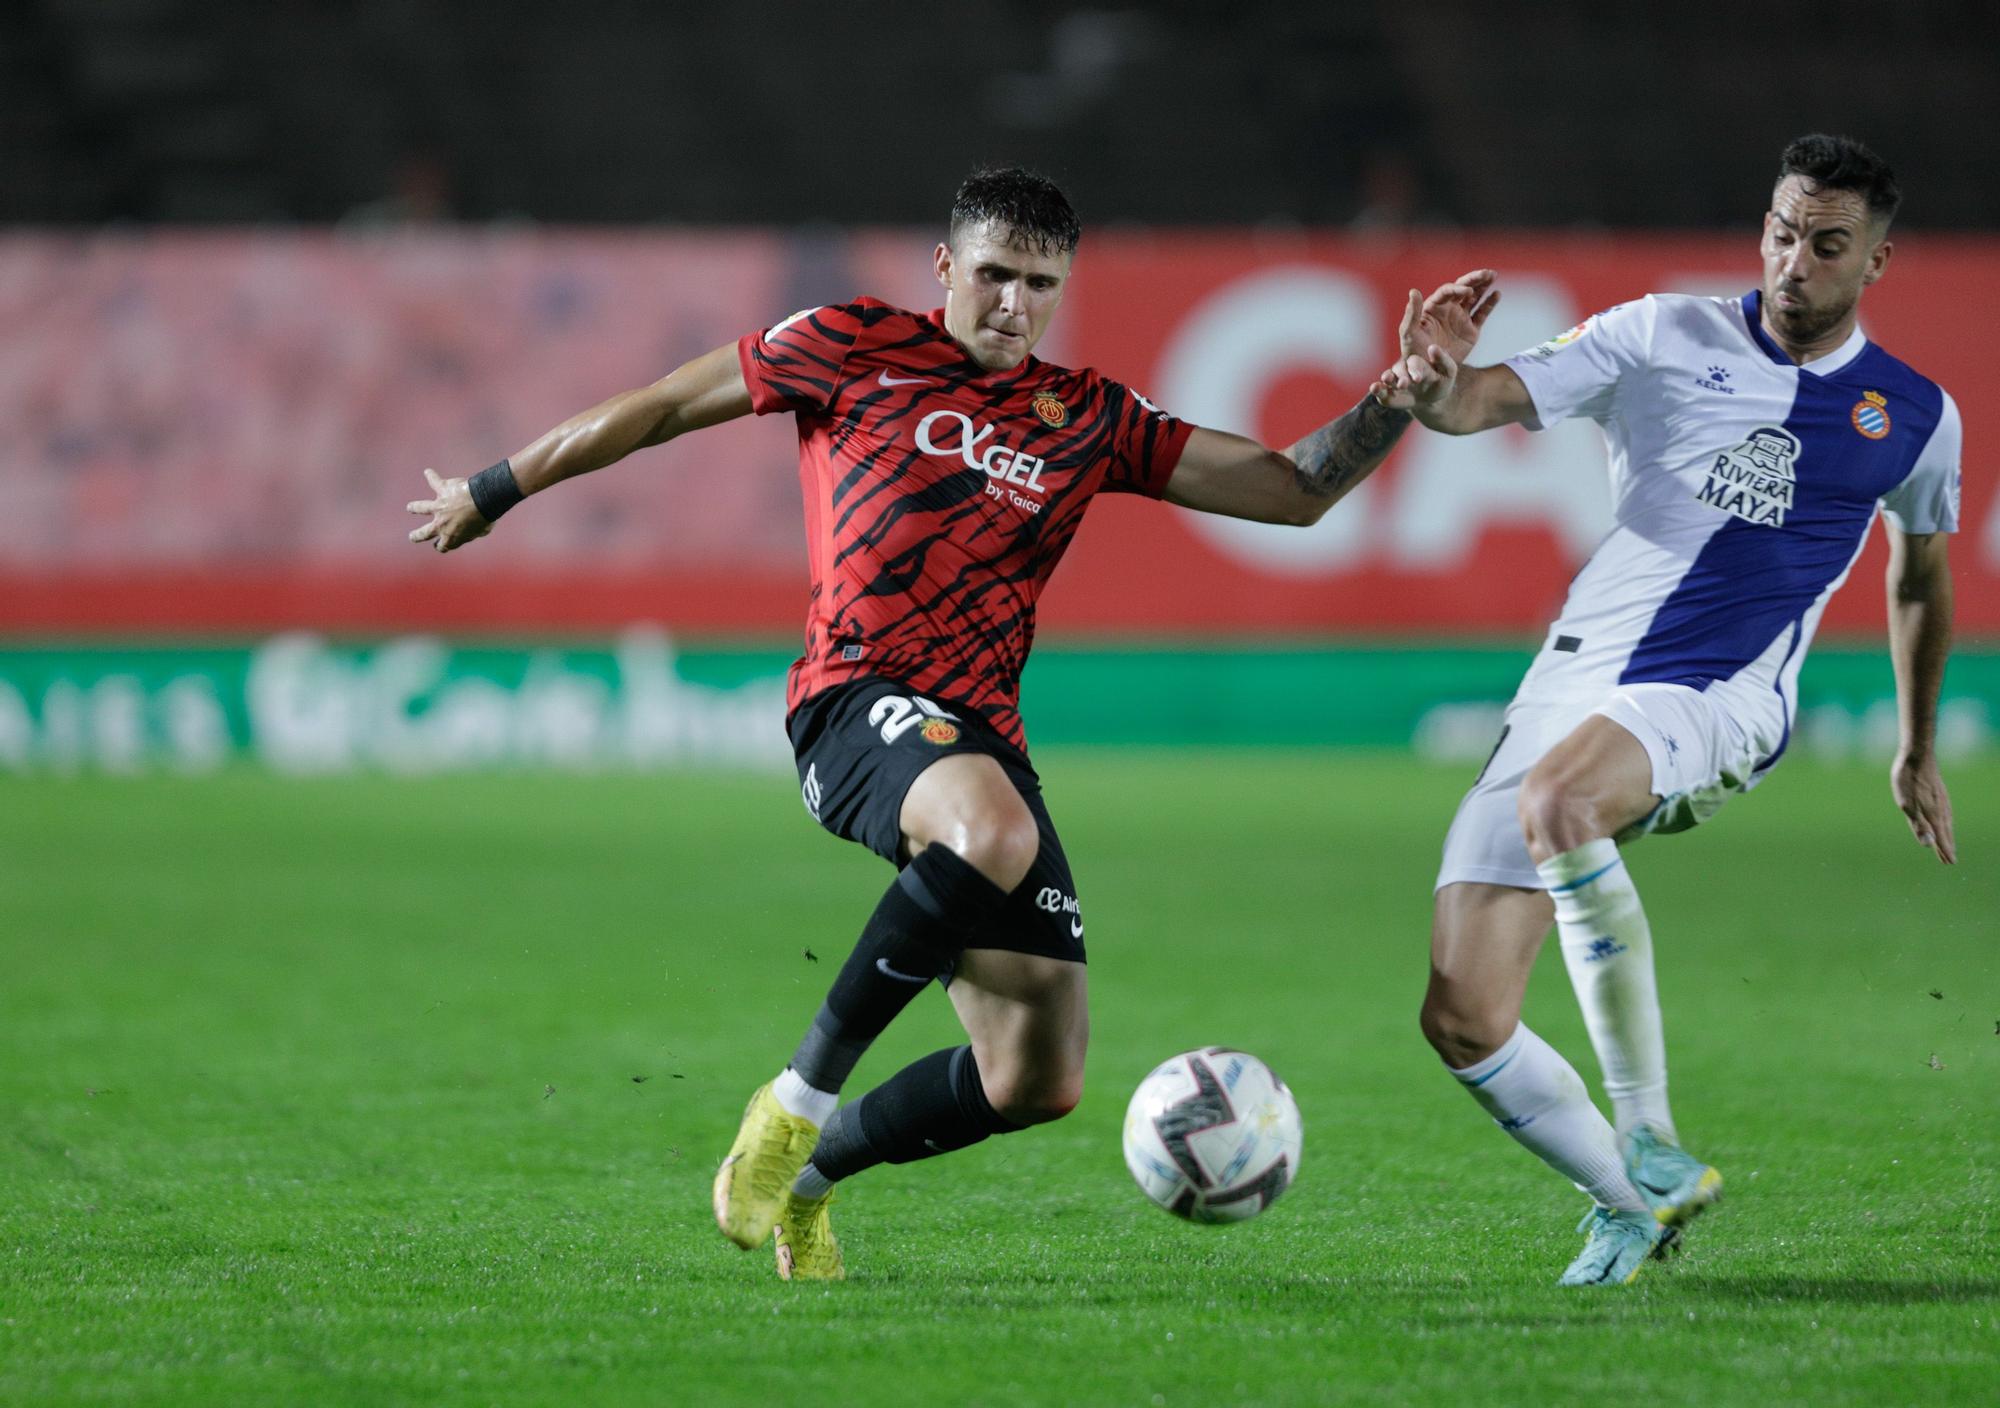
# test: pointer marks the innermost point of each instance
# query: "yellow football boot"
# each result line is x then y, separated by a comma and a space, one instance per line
807, 1248
756, 1178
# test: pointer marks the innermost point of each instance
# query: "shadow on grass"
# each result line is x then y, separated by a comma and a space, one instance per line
1854, 1290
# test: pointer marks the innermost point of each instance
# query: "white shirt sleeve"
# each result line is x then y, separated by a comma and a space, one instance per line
1578, 373
1927, 501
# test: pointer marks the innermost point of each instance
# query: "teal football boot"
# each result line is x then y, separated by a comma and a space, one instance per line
1675, 1184
1619, 1246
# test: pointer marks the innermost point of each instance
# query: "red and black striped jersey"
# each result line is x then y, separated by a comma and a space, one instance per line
939, 496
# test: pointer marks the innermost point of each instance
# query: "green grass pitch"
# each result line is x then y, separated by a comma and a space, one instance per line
378, 1091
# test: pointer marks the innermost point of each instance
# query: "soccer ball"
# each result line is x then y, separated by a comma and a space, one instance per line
1213, 1135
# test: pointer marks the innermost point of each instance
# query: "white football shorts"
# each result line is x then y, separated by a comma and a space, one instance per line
1701, 753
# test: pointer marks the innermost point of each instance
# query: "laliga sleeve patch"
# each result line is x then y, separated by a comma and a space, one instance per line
1561, 340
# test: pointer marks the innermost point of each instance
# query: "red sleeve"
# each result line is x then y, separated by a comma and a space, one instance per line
1146, 443
795, 365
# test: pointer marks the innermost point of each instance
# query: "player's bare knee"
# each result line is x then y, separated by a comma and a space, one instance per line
1462, 1044
1000, 843
1558, 813
1462, 1037
1539, 805
1035, 1098
1061, 1097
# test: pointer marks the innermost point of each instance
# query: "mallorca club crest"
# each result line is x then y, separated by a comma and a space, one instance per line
1756, 481
1871, 415
939, 731
1050, 408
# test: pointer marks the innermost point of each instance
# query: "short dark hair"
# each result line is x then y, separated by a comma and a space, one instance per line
1843, 164
1026, 202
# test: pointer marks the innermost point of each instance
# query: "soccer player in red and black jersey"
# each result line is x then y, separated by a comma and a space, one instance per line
945, 471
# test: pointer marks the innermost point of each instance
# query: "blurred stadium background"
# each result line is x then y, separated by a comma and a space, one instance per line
262, 264
362, 1088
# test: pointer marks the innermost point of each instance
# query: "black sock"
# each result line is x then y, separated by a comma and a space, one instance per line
915, 934
930, 1107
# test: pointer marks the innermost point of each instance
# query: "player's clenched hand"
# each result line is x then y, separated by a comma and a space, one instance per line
1919, 791
454, 521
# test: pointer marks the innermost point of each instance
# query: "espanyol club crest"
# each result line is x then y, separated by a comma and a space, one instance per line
1053, 412
1871, 415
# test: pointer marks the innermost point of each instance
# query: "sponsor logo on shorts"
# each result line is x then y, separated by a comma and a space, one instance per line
1050, 900
809, 792
1052, 411
939, 731
1871, 415
882, 966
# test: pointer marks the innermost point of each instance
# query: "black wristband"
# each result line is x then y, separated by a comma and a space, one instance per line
494, 491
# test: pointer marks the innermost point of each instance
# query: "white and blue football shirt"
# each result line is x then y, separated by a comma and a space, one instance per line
1743, 488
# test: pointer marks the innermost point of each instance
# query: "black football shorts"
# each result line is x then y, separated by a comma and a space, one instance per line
861, 744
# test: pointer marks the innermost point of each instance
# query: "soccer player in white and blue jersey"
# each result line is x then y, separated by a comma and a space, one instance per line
1751, 443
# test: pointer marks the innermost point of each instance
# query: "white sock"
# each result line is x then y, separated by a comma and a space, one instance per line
811, 1183
803, 1100
1537, 1097
1608, 949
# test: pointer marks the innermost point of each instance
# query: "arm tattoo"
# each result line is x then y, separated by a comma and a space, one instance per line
1342, 453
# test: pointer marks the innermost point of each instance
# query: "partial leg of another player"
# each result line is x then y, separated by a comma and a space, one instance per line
1484, 939
1027, 1017
972, 840
1587, 789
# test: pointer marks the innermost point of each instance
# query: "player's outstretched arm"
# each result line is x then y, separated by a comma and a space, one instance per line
704, 392
1236, 476
1919, 640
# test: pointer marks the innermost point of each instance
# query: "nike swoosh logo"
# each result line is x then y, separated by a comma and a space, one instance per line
883, 965
1076, 928
888, 380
